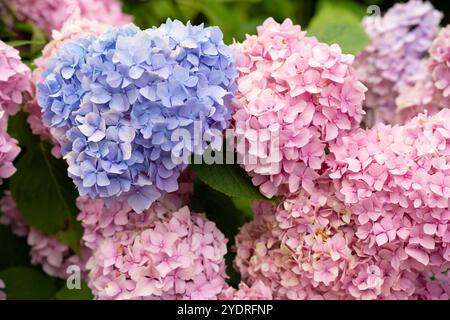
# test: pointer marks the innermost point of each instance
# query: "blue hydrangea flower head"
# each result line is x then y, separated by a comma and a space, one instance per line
116, 101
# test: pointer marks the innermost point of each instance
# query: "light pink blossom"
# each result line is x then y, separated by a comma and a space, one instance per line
307, 248
177, 256
432, 93
295, 96
440, 63
50, 15
434, 286
396, 181
2, 286
412, 100
9, 150
258, 291
101, 221
396, 55
14, 80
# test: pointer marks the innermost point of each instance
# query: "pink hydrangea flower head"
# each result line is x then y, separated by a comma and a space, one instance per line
307, 248
50, 15
432, 93
396, 181
395, 56
51, 254
71, 31
295, 95
180, 256
101, 221
2, 286
8, 152
12, 217
412, 100
14, 80
440, 63
258, 291
54, 256
112, 9
435, 286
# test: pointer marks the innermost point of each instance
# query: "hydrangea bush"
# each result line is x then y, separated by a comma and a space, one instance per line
339, 136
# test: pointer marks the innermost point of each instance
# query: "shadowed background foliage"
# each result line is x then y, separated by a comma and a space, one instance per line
238, 17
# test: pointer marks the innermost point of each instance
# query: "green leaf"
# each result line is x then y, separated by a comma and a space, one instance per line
218, 208
38, 40
245, 206
45, 195
229, 179
24, 26
221, 15
14, 251
340, 22
27, 283
350, 10
84, 293
350, 38
71, 235
20, 43
19, 129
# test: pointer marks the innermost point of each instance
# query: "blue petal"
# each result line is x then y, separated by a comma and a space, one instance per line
118, 103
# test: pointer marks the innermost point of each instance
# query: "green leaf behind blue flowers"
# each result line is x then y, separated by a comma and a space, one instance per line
340, 22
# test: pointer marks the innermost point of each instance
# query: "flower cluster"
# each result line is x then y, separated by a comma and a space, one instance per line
14, 79
434, 286
34, 118
412, 100
2, 286
11, 216
100, 221
71, 31
177, 256
8, 152
440, 63
50, 15
297, 91
54, 256
258, 291
311, 247
396, 55
432, 93
116, 101
396, 181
